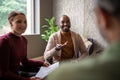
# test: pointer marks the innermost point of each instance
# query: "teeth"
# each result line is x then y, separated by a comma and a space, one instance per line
66, 27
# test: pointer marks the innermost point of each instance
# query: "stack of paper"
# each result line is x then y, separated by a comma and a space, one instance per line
44, 71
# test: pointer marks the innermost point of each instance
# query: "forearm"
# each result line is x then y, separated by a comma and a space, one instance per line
84, 55
32, 63
50, 53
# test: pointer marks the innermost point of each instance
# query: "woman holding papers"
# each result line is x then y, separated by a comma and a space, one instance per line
13, 50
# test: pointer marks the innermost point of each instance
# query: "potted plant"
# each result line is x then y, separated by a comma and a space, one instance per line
49, 29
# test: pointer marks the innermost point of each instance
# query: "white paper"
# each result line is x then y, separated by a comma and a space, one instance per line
44, 71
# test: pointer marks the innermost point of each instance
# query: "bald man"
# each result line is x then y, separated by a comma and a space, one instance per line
65, 44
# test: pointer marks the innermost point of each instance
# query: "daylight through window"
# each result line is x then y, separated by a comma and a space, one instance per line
29, 7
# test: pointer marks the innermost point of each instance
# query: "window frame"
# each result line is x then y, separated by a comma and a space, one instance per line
33, 17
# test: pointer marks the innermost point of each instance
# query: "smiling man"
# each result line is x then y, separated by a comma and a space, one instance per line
65, 44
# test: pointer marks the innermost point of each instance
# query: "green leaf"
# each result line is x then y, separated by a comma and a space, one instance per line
51, 28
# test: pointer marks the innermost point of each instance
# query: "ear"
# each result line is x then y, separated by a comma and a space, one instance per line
104, 18
10, 23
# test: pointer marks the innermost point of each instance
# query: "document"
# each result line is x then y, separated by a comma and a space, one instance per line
44, 71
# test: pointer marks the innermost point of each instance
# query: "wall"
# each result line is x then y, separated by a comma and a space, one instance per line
82, 17
36, 45
74, 9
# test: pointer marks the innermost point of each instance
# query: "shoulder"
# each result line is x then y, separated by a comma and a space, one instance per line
112, 53
24, 39
4, 39
75, 33
56, 34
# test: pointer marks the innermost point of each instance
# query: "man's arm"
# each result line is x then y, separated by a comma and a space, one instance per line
83, 49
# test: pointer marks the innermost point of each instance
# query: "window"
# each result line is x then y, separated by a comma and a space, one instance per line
30, 7
33, 17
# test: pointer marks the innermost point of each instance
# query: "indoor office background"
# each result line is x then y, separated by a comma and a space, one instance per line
82, 18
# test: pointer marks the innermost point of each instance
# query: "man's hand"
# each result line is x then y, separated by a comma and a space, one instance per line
60, 46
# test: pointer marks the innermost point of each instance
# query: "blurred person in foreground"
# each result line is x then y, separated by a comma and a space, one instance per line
13, 50
65, 44
107, 65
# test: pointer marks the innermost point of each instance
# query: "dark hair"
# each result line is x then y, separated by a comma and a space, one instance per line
12, 14
66, 16
110, 6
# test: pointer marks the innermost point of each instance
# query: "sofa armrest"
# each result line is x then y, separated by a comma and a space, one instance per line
38, 58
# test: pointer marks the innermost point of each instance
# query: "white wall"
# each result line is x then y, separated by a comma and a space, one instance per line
74, 9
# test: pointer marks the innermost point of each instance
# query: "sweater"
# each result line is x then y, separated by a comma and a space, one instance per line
13, 51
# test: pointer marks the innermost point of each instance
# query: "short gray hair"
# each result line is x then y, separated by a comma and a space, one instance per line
110, 6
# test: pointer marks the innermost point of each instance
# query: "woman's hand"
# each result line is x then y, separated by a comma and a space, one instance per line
35, 78
46, 64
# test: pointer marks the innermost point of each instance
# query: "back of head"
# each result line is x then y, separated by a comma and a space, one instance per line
112, 7
12, 14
